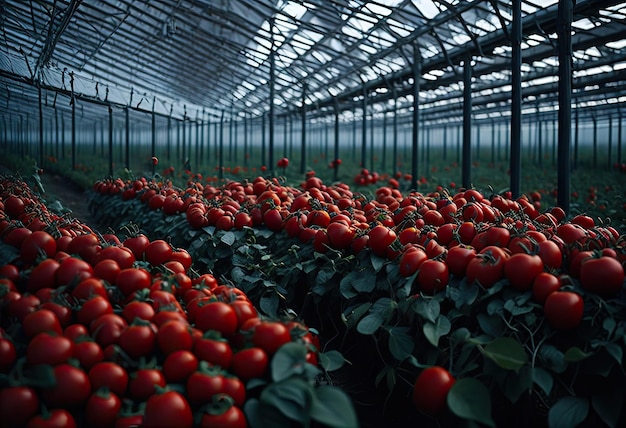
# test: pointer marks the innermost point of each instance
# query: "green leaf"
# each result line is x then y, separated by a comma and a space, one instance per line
369, 324
543, 379
615, 351
377, 262
492, 325
517, 383
333, 408
506, 352
355, 314
553, 358
269, 305
574, 354
568, 412
324, 275
608, 405
463, 295
288, 361
434, 331
331, 360
428, 309
292, 397
469, 399
401, 344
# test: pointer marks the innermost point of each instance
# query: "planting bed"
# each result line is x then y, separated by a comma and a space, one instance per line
434, 308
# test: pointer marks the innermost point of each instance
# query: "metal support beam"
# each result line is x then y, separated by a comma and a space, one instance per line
336, 154
110, 141
153, 136
417, 77
364, 129
466, 162
272, 82
41, 137
303, 132
564, 42
515, 159
394, 160
221, 150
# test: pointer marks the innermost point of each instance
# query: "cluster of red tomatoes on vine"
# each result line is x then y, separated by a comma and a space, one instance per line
107, 330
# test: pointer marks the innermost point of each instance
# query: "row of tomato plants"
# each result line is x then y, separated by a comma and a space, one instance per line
519, 309
105, 330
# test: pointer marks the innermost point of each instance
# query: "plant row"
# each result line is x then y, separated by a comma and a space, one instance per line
523, 307
122, 330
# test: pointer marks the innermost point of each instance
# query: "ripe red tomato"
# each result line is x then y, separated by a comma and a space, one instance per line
137, 309
603, 275
132, 279
218, 316
487, 267
8, 355
138, 340
46, 348
431, 389
158, 252
340, 235
143, 383
271, 335
107, 328
174, 336
168, 409
137, 244
411, 260
232, 417
380, 237
544, 284
214, 351
72, 269
37, 244
18, 404
55, 418
41, 320
179, 365
458, 258
72, 387
101, 409
112, 376
42, 276
550, 254
564, 309
521, 269
250, 363
87, 353
433, 276
93, 309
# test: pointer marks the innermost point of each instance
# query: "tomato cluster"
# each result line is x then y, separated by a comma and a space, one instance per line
120, 330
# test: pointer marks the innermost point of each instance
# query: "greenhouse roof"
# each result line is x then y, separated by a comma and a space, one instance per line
207, 58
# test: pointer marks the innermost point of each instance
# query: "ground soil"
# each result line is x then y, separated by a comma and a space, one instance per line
71, 196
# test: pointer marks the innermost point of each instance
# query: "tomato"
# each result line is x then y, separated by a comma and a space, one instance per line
143, 383
72, 269
213, 350
431, 388
110, 375
93, 309
232, 417
243, 219
168, 409
584, 221
138, 340
86, 246
9, 271
43, 276
458, 258
235, 388
543, 285
250, 363
55, 418
123, 256
380, 237
63, 313
521, 269
23, 306
8, 355
174, 336
18, 404
137, 309
72, 387
411, 260
564, 309
158, 252
87, 353
550, 254
46, 348
41, 320
202, 386
603, 275
107, 328
433, 276
101, 409
498, 236
487, 267
17, 236
88, 288
576, 262
137, 244
270, 336
179, 365
571, 233
340, 235
133, 279
75, 331
218, 316
244, 310
466, 232
14, 206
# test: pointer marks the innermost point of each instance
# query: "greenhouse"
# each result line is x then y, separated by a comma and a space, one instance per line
272, 213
